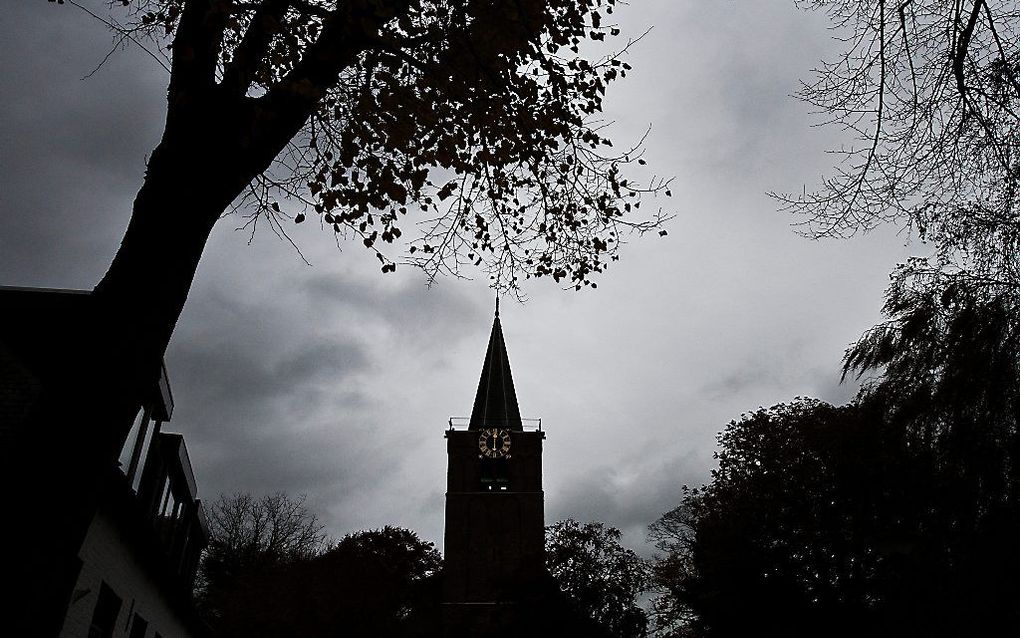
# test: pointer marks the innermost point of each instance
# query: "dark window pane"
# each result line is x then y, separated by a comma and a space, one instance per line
104, 617
138, 627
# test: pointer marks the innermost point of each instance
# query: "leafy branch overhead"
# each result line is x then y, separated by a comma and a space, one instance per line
482, 116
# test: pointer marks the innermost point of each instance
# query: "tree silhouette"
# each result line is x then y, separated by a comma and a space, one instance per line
370, 583
601, 578
930, 90
268, 573
893, 515
790, 534
249, 540
947, 362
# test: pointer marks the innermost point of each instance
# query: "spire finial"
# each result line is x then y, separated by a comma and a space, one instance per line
497, 305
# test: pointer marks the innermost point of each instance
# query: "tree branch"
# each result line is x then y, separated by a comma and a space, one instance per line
1011, 76
347, 32
196, 46
238, 75
960, 52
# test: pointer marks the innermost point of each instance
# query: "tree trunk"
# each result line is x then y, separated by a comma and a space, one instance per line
187, 187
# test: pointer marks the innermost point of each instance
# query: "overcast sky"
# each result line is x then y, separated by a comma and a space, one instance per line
335, 381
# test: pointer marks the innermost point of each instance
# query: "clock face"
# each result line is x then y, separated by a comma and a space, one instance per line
494, 443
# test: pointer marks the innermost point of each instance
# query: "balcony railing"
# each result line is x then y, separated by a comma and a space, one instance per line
462, 423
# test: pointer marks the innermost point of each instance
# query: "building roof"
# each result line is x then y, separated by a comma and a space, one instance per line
34, 346
496, 401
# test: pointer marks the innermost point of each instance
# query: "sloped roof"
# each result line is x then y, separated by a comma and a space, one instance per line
496, 400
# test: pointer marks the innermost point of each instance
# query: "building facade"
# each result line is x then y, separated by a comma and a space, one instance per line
140, 556
131, 574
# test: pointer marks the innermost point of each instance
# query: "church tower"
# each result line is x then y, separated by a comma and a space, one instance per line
495, 522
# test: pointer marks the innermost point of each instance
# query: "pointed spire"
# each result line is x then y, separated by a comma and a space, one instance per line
496, 401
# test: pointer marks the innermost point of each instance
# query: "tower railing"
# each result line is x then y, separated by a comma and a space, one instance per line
464, 422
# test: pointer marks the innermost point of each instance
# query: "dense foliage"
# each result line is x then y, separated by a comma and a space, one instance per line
371, 583
893, 515
249, 538
600, 577
792, 533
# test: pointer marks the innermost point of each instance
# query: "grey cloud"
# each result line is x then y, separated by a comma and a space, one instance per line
628, 496
333, 361
73, 149
268, 407
310, 460
742, 379
415, 311
234, 376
